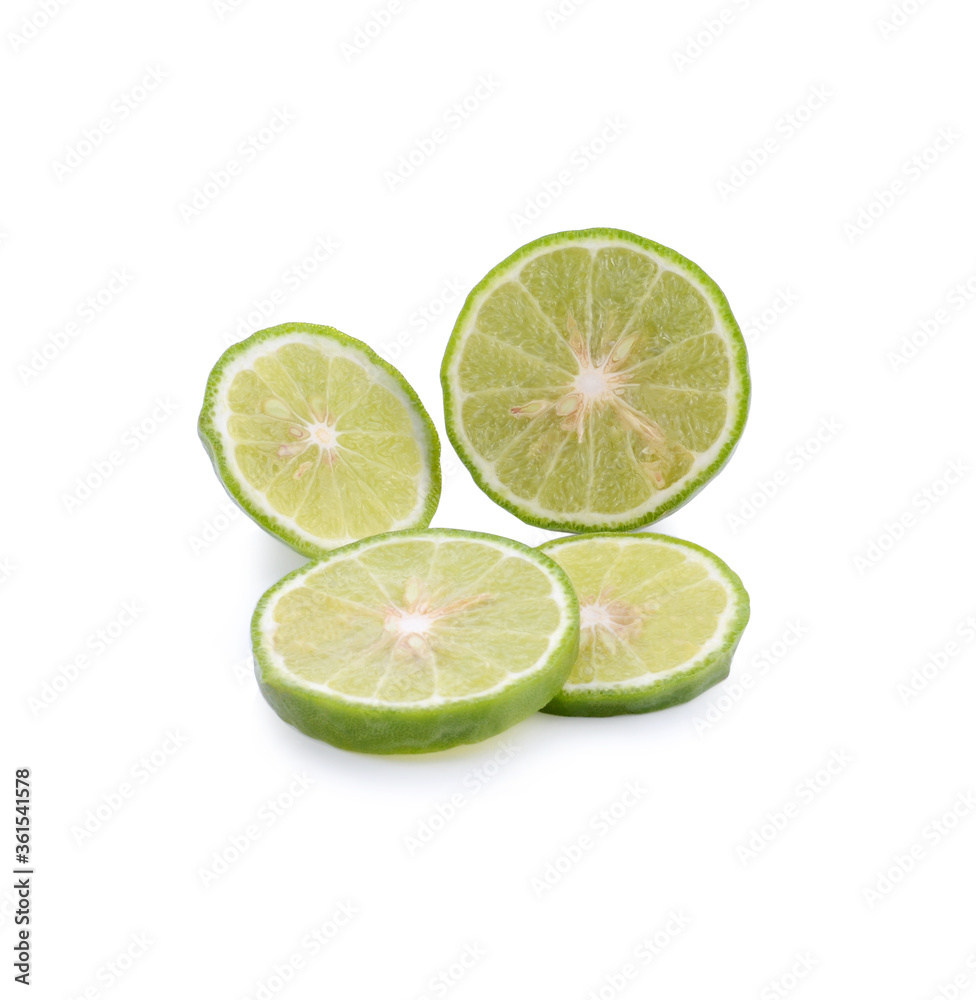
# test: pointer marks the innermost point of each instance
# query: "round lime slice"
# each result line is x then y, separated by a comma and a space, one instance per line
318, 439
595, 381
416, 641
659, 621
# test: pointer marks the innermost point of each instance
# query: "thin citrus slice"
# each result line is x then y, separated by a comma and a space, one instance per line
659, 621
595, 381
416, 640
318, 439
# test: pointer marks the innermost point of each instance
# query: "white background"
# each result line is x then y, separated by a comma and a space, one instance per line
829, 359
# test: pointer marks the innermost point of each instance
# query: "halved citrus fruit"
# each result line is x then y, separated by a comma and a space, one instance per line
319, 439
659, 621
595, 381
416, 640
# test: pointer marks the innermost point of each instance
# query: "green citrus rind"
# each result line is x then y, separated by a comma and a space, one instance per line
672, 498
366, 726
675, 686
245, 496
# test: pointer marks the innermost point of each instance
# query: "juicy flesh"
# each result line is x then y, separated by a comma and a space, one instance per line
416, 619
593, 379
644, 608
327, 445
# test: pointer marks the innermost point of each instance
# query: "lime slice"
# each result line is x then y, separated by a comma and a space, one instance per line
416, 641
318, 439
595, 381
659, 621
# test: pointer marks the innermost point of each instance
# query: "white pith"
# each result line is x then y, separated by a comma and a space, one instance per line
595, 385
597, 616
410, 624
321, 432
418, 627
325, 434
